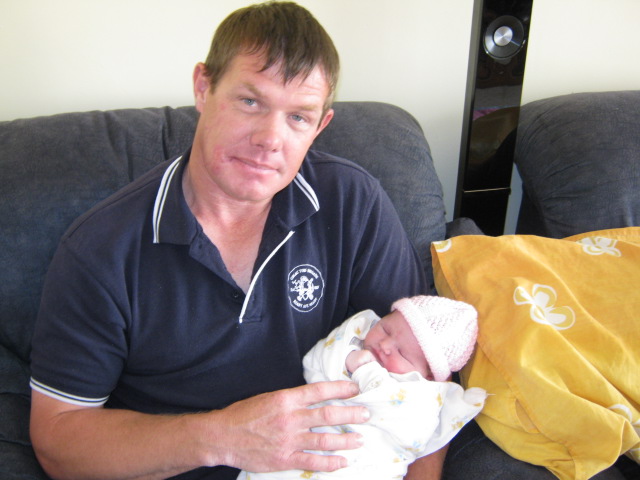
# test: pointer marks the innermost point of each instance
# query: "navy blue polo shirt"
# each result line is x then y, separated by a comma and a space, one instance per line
139, 311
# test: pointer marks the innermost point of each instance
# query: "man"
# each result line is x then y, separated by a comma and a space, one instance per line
176, 313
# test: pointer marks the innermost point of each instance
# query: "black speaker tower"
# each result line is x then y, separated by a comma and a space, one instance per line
499, 39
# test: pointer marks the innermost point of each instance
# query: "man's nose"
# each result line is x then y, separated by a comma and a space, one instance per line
269, 132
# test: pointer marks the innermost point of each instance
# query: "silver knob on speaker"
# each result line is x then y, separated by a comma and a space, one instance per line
503, 36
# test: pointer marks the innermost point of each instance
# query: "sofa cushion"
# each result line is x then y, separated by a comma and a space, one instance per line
14, 373
55, 168
17, 458
579, 159
391, 146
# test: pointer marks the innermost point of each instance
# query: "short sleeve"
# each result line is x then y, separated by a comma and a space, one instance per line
388, 266
79, 345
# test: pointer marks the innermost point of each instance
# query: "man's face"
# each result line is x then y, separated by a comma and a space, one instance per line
396, 348
254, 130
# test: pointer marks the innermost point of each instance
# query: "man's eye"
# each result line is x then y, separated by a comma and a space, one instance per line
249, 101
298, 118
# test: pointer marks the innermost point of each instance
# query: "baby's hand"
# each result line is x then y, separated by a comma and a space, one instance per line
357, 358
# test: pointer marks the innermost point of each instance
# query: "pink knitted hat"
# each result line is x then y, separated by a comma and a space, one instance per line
446, 330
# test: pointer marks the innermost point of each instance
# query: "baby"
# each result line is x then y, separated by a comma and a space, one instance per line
402, 363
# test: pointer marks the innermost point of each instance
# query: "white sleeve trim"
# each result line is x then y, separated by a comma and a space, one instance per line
65, 397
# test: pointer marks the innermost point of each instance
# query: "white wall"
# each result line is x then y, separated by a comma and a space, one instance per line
579, 46
74, 55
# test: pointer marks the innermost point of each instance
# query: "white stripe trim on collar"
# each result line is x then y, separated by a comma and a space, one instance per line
161, 197
307, 190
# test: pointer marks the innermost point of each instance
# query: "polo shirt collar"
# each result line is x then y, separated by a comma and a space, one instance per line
173, 221
295, 203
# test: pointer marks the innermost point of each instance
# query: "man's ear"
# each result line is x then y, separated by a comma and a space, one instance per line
325, 121
200, 86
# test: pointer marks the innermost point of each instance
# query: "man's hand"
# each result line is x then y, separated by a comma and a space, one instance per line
265, 433
271, 432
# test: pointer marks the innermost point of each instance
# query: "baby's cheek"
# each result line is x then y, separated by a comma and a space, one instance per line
392, 365
400, 365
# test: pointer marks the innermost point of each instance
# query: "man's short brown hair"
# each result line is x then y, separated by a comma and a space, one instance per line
284, 33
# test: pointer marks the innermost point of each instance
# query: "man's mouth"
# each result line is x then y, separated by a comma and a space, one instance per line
254, 164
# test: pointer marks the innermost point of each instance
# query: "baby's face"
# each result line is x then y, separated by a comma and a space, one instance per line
392, 342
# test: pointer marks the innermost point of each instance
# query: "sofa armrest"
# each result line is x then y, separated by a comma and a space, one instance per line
17, 459
462, 226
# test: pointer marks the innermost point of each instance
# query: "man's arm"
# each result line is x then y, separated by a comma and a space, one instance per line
265, 433
428, 467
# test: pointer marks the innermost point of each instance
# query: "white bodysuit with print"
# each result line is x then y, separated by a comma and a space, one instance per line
410, 416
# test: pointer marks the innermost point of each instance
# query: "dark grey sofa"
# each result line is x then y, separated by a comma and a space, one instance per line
55, 168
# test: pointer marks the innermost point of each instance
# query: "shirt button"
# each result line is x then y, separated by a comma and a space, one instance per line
235, 295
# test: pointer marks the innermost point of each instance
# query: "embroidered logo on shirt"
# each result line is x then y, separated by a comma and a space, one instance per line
306, 287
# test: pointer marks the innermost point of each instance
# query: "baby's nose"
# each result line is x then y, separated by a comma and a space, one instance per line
385, 347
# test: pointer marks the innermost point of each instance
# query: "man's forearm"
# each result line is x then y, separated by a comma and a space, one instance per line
429, 467
102, 443
269, 432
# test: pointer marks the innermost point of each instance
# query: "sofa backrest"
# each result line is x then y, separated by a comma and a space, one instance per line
55, 168
579, 159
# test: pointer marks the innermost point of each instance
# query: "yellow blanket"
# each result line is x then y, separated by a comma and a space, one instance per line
558, 345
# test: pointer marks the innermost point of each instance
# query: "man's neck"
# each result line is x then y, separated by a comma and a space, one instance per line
234, 227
